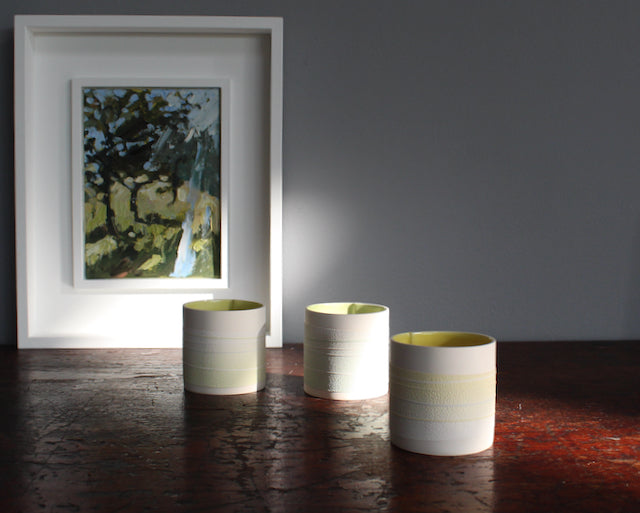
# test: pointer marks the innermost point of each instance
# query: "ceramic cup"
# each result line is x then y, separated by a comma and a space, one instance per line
442, 392
223, 350
346, 350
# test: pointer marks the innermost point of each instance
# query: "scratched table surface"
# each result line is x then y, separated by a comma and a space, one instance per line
113, 430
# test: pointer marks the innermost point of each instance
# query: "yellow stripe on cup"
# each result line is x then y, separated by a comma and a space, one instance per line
441, 389
224, 379
220, 360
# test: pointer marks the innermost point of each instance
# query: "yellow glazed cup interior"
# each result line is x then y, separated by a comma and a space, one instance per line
442, 339
345, 308
222, 305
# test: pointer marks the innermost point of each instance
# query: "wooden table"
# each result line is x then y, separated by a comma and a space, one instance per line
113, 430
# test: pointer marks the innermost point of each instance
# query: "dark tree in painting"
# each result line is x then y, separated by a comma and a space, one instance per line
152, 182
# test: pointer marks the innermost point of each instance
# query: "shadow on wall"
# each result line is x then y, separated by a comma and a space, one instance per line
7, 205
632, 313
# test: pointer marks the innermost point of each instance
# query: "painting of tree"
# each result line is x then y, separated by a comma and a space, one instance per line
151, 185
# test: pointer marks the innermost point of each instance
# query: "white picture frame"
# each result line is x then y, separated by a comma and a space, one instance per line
78, 184
50, 52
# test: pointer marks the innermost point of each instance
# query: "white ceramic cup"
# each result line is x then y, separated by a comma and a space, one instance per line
346, 350
442, 392
223, 351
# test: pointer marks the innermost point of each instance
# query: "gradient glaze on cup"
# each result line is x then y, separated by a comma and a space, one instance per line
223, 349
346, 350
442, 392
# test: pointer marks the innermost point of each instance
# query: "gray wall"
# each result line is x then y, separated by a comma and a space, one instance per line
472, 165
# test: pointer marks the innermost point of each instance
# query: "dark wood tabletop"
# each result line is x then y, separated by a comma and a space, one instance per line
113, 430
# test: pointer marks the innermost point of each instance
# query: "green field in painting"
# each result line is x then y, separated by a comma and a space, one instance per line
151, 182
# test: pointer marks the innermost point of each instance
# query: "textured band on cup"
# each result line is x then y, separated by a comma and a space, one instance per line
441, 388
325, 335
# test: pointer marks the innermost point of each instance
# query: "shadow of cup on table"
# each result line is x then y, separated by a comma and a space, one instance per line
435, 483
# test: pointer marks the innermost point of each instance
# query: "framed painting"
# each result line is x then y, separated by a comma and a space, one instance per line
150, 183
148, 174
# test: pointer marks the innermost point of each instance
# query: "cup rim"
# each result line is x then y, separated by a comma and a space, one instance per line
346, 308
442, 339
223, 305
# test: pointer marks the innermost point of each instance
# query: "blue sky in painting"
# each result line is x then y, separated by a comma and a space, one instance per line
203, 117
